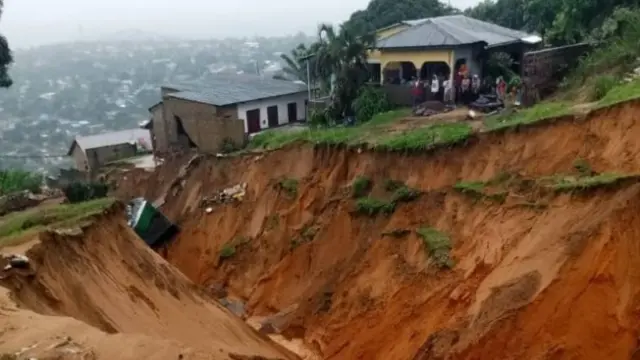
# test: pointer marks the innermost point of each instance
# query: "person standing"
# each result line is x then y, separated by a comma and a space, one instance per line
417, 93
448, 92
501, 88
435, 87
466, 89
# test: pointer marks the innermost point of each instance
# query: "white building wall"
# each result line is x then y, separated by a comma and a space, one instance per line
283, 112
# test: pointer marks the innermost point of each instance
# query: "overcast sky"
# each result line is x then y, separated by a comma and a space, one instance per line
34, 22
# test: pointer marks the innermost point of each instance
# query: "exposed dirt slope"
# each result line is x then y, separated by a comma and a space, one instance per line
105, 277
549, 277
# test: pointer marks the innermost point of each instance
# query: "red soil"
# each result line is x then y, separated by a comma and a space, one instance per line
104, 280
558, 282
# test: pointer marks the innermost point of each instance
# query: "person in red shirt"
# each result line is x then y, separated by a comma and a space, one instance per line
417, 92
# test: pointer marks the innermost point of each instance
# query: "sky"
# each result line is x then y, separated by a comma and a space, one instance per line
34, 22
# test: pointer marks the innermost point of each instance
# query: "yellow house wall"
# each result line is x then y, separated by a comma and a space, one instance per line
382, 34
416, 57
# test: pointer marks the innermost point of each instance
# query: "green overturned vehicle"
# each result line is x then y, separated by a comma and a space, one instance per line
149, 223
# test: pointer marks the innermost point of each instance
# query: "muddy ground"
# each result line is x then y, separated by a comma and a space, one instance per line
533, 273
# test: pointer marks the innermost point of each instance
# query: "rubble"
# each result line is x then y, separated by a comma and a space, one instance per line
486, 104
230, 194
19, 201
429, 108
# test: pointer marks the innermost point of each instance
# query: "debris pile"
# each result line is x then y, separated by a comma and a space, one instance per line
16, 262
487, 104
429, 108
228, 195
19, 201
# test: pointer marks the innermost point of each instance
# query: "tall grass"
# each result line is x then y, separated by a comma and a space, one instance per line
531, 115
616, 55
17, 180
36, 219
425, 138
273, 139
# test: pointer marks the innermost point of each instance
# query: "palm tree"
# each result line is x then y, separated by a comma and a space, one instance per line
342, 58
295, 66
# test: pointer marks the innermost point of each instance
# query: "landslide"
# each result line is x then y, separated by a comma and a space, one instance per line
542, 275
102, 279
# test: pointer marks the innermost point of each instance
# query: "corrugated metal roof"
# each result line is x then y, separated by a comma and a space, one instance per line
415, 22
232, 89
139, 136
453, 30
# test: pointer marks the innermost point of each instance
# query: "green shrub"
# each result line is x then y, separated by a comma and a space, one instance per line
404, 194
474, 188
438, 246
583, 167
228, 146
306, 235
290, 186
392, 185
227, 252
79, 191
372, 206
17, 180
319, 118
370, 101
361, 186
602, 85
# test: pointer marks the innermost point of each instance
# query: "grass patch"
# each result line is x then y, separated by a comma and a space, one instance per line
473, 188
289, 186
573, 183
388, 117
404, 194
37, 219
531, 115
392, 185
227, 252
477, 190
230, 249
602, 85
307, 234
372, 206
273, 139
361, 186
620, 93
438, 246
583, 167
426, 138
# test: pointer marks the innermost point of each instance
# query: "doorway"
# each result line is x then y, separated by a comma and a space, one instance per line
272, 116
253, 121
292, 110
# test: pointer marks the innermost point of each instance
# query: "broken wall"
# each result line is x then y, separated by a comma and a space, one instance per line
206, 125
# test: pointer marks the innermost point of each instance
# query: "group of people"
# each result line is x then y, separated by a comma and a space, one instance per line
464, 89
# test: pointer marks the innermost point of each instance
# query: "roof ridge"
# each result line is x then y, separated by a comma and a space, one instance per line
443, 30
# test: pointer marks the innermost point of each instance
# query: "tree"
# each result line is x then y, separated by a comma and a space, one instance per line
6, 58
295, 63
341, 61
382, 13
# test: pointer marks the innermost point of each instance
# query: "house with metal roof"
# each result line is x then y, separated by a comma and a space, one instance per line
92, 151
441, 45
225, 108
